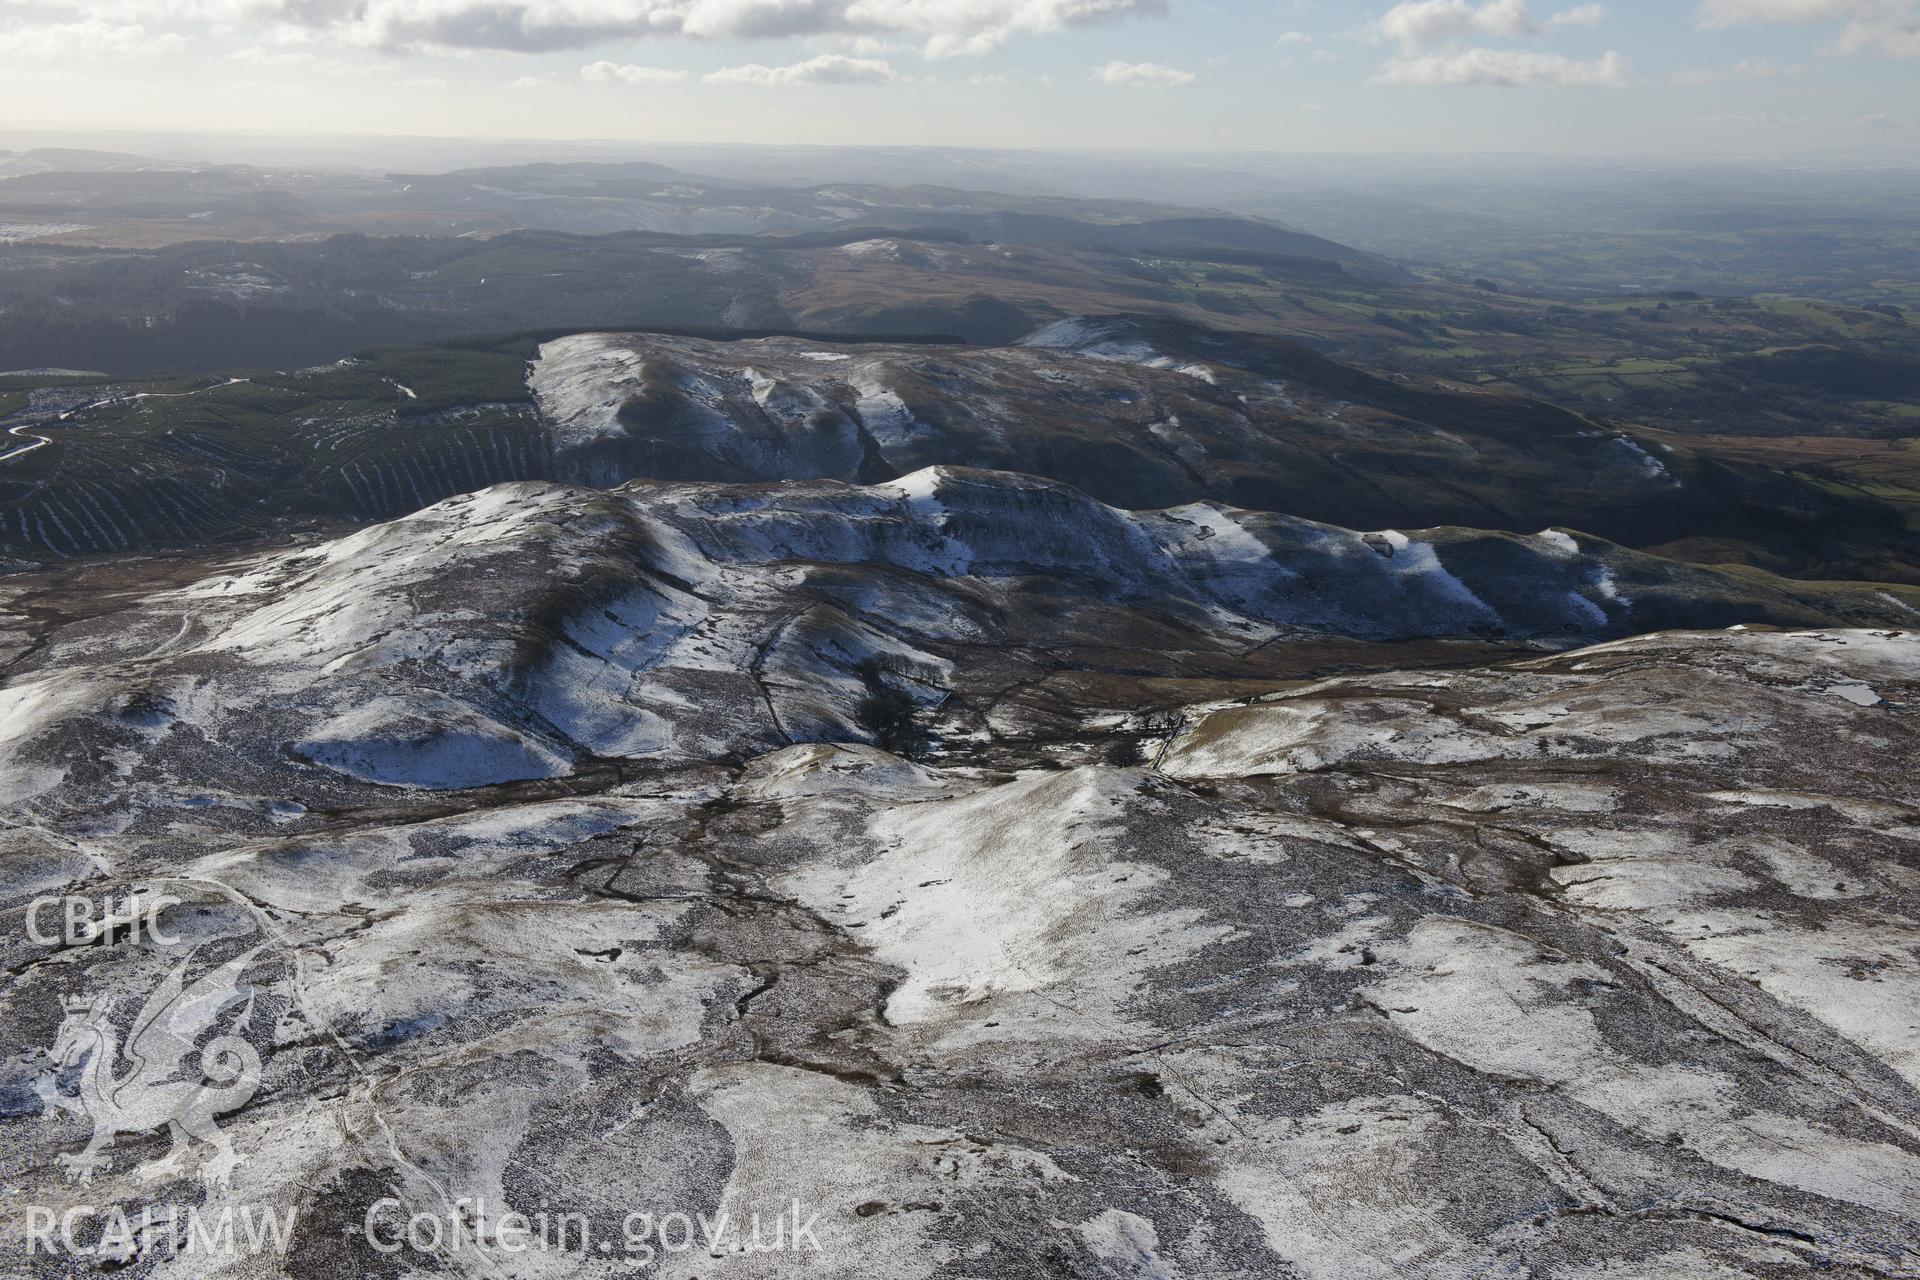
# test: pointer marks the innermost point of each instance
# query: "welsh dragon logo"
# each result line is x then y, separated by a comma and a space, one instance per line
136, 1085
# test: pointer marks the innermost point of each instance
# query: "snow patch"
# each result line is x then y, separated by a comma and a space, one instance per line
1560, 543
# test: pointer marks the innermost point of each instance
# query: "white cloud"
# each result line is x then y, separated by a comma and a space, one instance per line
1892, 27
91, 38
1430, 35
946, 44
828, 68
426, 82
941, 27
1143, 75
1507, 69
1875, 122
604, 72
1581, 15
1324, 55
530, 82
1421, 24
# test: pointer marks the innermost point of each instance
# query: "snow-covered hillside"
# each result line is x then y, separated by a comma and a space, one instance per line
1013, 882
1446, 971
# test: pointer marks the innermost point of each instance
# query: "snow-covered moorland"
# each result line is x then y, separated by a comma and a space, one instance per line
1010, 880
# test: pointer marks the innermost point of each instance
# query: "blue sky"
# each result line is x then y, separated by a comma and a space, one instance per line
1749, 77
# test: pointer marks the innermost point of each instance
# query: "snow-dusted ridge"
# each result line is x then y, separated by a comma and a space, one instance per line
523, 630
1139, 412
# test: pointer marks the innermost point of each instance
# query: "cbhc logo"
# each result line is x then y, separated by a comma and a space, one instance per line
135, 917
